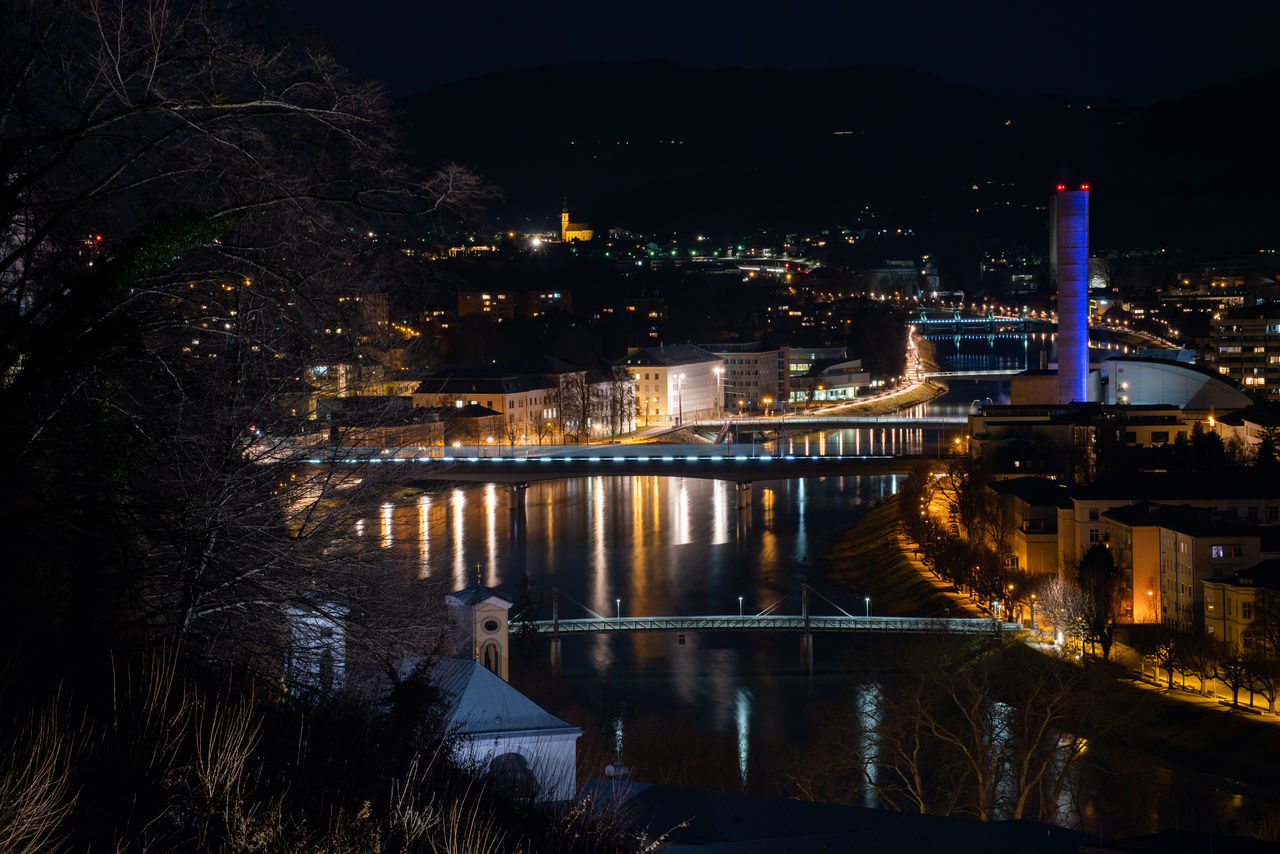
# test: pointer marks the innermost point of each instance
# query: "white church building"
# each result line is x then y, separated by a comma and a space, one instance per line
497, 729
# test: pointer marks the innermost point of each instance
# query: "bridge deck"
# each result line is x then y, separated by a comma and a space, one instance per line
618, 460
771, 622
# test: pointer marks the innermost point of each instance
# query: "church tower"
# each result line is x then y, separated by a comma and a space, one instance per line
481, 615
572, 232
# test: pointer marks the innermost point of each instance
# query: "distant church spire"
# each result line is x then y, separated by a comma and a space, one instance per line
572, 231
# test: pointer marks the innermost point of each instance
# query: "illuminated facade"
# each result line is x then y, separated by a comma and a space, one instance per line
1232, 604
1071, 244
752, 374
1246, 347
678, 383
572, 231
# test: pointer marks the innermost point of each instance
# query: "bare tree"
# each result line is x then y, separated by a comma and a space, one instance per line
176, 224
1066, 606
619, 400
512, 430
544, 428
1231, 668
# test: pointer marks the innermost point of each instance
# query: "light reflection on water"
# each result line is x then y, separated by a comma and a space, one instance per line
675, 546
661, 546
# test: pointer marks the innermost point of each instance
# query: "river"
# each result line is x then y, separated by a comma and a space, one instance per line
722, 710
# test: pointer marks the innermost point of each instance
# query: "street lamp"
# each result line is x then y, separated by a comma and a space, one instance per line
680, 393
618, 602
739, 606
867, 600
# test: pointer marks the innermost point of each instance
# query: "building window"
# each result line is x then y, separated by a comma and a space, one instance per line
1229, 550
1246, 610
1093, 514
1093, 536
1273, 514
1253, 514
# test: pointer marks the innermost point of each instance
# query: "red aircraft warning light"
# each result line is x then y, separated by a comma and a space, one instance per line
1084, 186
1062, 187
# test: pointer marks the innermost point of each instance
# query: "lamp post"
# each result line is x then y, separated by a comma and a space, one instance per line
1033, 612
680, 395
867, 600
719, 389
739, 606
618, 603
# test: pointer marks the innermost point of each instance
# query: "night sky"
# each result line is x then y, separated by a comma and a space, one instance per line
1142, 51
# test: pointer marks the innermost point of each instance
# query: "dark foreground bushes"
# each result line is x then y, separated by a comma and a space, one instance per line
148, 756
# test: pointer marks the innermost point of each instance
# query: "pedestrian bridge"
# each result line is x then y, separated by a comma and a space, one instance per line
769, 623
768, 620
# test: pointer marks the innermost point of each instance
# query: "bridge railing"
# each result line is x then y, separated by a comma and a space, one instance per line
770, 622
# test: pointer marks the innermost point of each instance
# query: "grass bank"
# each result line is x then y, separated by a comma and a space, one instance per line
868, 560
1185, 734
922, 393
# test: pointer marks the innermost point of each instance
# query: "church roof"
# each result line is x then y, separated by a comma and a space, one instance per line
480, 703
475, 594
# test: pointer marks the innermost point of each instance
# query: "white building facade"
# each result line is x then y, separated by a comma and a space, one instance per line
679, 384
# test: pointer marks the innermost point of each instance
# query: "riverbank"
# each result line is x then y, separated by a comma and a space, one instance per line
1132, 718
914, 395
872, 559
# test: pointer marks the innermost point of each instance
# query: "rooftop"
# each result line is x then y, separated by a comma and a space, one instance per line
480, 703
1222, 484
672, 355
1193, 521
1036, 491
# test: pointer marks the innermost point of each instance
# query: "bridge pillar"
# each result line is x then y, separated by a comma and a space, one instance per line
806, 640
744, 494
515, 497
555, 631
556, 661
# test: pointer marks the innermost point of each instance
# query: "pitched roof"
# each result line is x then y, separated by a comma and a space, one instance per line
1265, 574
480, 703
670, 356
1193, 521
1036, 491
472, 384
475, 594
1224, 484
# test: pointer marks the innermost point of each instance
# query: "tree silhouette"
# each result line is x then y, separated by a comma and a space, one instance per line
181, 248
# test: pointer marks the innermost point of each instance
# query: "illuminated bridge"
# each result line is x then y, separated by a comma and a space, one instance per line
933, 323
768, 623
737, 462
767, 620
977, 375
840, 422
